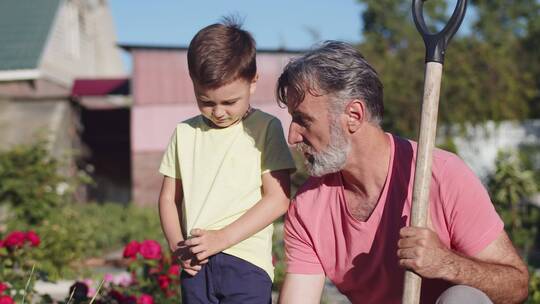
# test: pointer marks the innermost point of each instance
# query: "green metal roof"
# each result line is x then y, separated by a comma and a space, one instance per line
24, 28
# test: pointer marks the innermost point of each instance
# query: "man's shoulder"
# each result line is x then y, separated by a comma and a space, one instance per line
315, 190
445, 162
442, 160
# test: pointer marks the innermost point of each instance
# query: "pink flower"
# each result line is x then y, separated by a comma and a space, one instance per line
145, 299
163, 282
33, 238
6, 300
174, 270
150, 250
3, 287
15, 239
131, 249
88, 282
2, 243
108, 278
123, 279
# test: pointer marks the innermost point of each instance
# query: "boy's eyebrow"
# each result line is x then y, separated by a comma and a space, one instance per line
232, 99
204, 99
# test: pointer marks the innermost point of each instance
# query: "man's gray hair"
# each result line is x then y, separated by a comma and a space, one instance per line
337, 69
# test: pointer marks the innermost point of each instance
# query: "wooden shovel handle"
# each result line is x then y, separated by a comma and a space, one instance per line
436, 44
422, 175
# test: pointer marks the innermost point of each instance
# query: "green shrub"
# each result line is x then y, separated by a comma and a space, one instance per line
509, 186
278, 257
30, 183
38, 197
534, 288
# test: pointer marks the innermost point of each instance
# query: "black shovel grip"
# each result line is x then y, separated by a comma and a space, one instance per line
436, 43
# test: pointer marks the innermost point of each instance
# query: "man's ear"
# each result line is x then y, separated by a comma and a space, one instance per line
356, 113
253, 84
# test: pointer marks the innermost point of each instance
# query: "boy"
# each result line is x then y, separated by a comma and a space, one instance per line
226, 176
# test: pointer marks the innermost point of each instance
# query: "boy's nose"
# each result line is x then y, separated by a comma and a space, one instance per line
218, 113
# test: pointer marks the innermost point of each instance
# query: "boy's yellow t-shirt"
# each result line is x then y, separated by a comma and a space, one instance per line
221, 172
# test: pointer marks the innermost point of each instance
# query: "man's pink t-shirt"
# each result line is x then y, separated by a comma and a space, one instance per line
360, 258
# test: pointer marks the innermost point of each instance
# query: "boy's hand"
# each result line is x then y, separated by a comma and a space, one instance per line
188, 261
205, 243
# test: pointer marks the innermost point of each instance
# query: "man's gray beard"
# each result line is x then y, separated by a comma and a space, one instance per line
333, 158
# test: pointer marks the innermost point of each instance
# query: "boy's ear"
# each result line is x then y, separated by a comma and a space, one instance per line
253, 84
356, 113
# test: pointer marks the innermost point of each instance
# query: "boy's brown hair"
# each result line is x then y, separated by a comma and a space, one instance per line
221, 53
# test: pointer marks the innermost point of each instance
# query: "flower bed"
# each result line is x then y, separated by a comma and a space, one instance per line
150, 277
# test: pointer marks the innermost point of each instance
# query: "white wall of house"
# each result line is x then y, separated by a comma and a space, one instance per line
479, 145
82, 43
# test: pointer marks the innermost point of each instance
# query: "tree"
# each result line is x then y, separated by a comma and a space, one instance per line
485, 77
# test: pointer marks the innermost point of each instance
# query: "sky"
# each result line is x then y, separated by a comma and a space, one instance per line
275, 24
292, 24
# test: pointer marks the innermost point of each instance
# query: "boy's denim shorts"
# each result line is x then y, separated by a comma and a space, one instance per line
226, 279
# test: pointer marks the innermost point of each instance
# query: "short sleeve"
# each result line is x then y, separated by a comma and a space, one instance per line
276, 154
170, 166
473, 220
299, 251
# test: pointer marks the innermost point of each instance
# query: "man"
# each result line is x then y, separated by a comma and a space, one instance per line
349, 221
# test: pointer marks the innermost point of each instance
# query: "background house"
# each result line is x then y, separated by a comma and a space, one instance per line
44, 46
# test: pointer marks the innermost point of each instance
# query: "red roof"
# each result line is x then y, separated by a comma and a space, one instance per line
101, 87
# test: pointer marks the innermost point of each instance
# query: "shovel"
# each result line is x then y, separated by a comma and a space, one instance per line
435, 49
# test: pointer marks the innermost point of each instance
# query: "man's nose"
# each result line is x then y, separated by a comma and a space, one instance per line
294, 136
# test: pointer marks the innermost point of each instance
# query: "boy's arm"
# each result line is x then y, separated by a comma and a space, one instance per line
170, 213
170, 199
273, 204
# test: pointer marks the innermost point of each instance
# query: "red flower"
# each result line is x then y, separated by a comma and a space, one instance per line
145, 299
157, 269
131, 249
33, 238
6, 300
174, 270
150, 250
129, 300
2, 243
118, 296
15, 239
3, 287
163, 282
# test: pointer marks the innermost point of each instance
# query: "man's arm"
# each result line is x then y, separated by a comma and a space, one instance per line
273, 204
302, 288
497, 270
